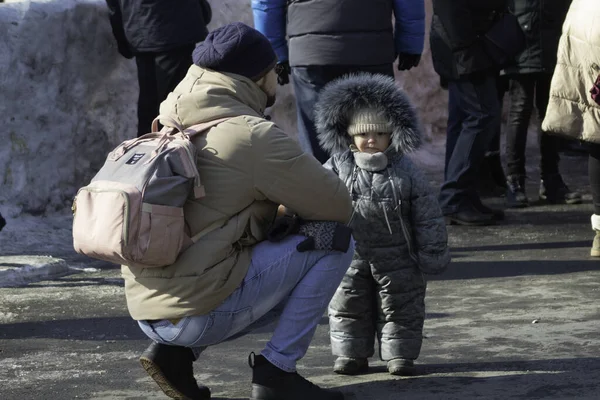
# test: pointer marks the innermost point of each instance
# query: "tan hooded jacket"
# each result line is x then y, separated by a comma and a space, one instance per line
248, 167
571, 110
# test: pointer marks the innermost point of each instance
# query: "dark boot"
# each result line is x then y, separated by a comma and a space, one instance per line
515, 193
272, 383
491, 181
350, 366
469, 217
401, 367
554, 191
172, 368
496, 213
2, 222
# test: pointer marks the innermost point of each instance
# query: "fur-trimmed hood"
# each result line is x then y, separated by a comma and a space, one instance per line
343, 96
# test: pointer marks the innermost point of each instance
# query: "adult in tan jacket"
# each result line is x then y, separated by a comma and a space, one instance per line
231, 277
571, 111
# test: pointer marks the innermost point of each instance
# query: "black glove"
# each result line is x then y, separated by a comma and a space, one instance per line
320, 235
283, 71
407, 61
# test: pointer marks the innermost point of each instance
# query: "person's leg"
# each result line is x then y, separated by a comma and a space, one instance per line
549, 157
171, 68
521, 89
148, 96
308, 82
305, 282
594, 177
352, 320
478, 100
491, 180
454, 125
552, 187
401, 305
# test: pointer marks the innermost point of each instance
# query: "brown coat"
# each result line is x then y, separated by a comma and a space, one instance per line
248, 167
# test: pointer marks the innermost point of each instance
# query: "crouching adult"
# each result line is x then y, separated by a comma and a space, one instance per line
231, 276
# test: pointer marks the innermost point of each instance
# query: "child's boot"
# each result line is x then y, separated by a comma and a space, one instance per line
350, 366
595, 252
401, 367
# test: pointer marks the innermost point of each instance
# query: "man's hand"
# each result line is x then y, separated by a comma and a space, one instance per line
283, 71
407, 61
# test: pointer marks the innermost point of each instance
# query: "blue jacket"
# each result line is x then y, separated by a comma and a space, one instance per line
358, 19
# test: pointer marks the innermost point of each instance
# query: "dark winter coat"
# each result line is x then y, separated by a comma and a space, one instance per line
341, 32
158, 25
542, 22
457, 47
397, 224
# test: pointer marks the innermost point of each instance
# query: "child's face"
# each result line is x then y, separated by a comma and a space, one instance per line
372, 142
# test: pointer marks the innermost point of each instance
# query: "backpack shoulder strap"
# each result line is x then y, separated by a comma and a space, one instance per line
197, 129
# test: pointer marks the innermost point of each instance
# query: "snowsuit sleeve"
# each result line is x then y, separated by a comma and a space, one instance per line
429, 228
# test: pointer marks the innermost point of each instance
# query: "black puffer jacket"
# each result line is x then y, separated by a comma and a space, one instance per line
334, 32
456, 29
158, 25
542, 22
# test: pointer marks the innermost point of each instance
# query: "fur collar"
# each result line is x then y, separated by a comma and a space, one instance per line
340, 98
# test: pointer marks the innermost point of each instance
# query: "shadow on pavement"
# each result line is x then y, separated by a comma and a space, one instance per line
525, 246
539, 379
499, 269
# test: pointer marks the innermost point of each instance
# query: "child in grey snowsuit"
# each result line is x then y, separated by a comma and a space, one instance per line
368, 125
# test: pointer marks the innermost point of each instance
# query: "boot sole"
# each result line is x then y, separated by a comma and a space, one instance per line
350, 371
404, 371
453, 221
260, 392
156, 374
595, 253
545, 199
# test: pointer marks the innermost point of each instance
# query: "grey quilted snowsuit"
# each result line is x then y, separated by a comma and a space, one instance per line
397, 224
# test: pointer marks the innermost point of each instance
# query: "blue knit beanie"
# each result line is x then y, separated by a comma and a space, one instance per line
236, 48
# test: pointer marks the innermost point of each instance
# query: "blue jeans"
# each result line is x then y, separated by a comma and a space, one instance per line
296, 287
473, 118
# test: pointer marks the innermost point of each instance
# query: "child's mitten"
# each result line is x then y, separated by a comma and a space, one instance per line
324, 235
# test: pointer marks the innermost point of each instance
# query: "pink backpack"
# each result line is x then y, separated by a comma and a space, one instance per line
132, 211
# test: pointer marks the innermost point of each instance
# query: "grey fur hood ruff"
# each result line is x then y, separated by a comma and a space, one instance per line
340, 98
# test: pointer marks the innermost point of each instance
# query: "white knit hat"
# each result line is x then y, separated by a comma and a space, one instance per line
367, 120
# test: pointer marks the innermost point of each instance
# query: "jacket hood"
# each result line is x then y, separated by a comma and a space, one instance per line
343, 96
205, 95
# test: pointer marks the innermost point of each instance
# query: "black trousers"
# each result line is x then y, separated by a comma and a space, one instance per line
527, 91
158, 74
473, 119
594, 174
308, 82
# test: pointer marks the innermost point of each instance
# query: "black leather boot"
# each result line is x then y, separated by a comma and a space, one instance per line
515, 192
554, 191
272, 383
470, 217
172, 369
2, 222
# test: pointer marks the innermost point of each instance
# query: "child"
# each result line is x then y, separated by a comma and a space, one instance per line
368, 125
